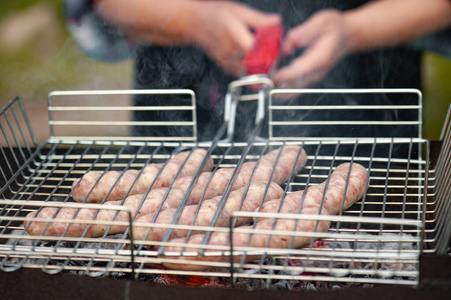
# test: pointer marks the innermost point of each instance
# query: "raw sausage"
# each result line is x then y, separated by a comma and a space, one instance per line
292, 158
288, 158
135, 203
339, 188
260, 240
352, 177
94, 186
238, 200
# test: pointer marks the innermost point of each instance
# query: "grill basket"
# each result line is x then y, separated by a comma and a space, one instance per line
404, 213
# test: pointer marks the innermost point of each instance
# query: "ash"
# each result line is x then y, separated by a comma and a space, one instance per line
312, 264
339, 280
341, 275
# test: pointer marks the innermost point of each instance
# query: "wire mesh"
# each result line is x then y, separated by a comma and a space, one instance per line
377, 240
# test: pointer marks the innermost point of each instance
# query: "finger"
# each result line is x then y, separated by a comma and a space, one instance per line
299, 37
251, 19
256, 19
296, 76
308, 69
306, 33
242, 36
289, 76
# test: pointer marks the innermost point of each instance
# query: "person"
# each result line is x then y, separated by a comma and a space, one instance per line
201, 45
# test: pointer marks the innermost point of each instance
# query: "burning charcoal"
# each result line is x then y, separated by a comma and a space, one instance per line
310, 287
282, 285
147, 277
22, 242
255, 284
122, 275
63, 244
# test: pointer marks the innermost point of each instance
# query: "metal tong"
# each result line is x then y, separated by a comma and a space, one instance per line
259, 63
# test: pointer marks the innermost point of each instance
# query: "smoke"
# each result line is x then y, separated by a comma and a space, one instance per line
191, 68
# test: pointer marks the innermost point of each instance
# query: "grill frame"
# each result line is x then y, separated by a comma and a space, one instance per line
70, 142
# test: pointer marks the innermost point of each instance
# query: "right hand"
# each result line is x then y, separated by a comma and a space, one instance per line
224, 31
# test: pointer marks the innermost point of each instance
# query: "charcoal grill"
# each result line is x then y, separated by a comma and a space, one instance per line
403, 216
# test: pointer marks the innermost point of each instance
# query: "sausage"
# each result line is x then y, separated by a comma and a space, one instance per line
57, 228
94, 186
288, 158
339, 180
238, 200
260, 240
135, 203
281, 168
312, 204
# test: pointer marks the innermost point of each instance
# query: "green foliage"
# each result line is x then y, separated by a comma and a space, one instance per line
11, 6
437, 93
44, 57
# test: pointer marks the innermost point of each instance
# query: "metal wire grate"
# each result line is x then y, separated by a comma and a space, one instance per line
378, 240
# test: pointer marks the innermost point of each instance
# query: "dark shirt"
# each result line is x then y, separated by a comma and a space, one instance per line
189, 67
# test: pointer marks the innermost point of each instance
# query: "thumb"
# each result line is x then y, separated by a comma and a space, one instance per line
256, 19
250, 18
305, 34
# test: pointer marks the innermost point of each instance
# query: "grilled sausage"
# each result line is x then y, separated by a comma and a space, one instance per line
339, 188
94, 186
353, 178
260, 240
238, 200
136, 204
280, 168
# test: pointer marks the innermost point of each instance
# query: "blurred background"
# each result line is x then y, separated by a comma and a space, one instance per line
37, 56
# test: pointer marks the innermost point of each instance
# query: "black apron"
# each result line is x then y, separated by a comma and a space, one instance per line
191, 68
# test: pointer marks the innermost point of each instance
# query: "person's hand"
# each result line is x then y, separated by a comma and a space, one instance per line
325, 37
224, 30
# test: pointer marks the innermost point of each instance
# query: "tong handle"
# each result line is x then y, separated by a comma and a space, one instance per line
265, 53
234, 96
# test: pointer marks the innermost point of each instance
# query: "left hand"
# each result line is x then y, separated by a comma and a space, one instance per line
223, 30
325, 36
